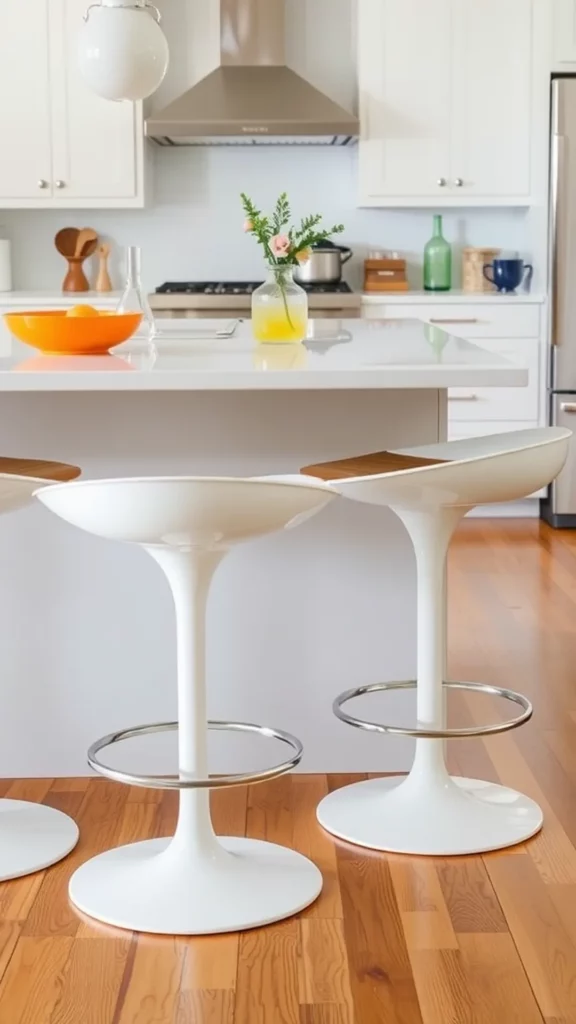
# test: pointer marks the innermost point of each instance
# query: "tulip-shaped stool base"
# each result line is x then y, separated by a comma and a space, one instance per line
32, 837
430, 812
154, 887
439, 817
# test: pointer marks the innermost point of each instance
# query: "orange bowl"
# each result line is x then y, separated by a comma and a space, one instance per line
53, 332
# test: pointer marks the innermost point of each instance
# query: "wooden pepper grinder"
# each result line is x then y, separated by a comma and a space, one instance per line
103, 282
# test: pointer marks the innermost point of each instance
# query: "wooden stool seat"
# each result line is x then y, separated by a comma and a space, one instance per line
38, 469
368, 465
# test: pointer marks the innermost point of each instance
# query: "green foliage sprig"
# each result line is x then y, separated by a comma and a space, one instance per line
284, 245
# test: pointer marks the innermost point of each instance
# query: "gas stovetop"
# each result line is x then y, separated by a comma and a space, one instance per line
242, 288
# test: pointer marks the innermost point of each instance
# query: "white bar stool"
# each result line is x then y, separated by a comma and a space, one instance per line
430, 488
32, 836
195, 882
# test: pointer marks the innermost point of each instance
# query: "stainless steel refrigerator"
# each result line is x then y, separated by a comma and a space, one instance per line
559, 508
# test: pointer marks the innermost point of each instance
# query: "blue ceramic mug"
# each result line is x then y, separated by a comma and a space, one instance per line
508, 274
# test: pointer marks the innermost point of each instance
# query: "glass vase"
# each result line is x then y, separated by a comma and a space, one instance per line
437, 261
134, 298
279, 307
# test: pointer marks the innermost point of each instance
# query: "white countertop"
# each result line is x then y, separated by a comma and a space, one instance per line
51, 298
455, 296
351, 354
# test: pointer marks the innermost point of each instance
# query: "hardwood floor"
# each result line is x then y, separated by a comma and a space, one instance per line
473, 940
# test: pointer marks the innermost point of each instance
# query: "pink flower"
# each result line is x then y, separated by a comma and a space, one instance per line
280, 245
248, 225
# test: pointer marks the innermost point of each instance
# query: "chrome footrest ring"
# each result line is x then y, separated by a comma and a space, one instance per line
212, 781
435, 734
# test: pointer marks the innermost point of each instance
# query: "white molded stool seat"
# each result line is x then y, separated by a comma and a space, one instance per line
32, 836
196, 882
430, 488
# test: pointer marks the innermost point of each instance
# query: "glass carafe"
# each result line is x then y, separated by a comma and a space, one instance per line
437, 261
279, 307
134, 298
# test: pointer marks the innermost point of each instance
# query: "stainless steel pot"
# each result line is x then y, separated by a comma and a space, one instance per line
325, 264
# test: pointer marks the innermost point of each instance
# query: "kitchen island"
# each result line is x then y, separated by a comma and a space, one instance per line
294, 619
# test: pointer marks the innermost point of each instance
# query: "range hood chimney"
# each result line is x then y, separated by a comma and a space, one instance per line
253, 98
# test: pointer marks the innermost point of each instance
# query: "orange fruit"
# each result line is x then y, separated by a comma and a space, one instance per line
82, 311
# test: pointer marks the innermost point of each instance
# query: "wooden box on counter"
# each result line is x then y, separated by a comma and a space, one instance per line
385, 275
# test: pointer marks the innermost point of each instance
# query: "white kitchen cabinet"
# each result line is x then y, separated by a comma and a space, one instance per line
65, 146
405, 85
564, 32
445, 102
25, 169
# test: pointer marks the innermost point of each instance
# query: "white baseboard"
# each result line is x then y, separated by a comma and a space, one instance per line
528, 509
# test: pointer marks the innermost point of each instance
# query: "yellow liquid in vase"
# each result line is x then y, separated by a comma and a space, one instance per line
272, 325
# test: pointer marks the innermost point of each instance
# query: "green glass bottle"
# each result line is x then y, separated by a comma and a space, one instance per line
437, 261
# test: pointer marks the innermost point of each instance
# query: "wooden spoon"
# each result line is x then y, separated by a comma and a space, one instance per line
84, 236
65, 242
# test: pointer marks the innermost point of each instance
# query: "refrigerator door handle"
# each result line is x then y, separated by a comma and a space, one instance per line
568, 407
557, 176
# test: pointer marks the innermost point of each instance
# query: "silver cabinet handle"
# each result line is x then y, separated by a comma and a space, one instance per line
453, 320
568, 406
471, 396
441, 182
42, 183
458, 182
59, 183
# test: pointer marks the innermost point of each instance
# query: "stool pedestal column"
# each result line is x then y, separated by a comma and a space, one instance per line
195, 882
428, 811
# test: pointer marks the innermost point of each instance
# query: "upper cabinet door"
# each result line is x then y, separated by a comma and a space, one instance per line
405, 76
491, 97
25, 164
95, 141
564, 32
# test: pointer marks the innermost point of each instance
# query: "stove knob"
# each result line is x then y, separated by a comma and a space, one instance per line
209, 290
220, 289
236, 291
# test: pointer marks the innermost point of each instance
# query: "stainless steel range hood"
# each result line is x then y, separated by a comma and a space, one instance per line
253, 98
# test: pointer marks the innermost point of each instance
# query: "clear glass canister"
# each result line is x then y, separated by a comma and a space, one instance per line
279, 307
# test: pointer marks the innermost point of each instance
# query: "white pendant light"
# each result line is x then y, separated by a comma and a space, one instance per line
122, 52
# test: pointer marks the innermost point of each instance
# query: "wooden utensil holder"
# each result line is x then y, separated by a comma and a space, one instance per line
385, 275
75, 280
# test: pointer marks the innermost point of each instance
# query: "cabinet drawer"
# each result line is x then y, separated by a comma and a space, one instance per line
480, 320
501, 403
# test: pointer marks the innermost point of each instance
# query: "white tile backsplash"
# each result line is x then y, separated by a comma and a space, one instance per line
192, 228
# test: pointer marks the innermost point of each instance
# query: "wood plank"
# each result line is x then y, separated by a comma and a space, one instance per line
380, 974
33, 982
324, 976
206, 1008
545, 948
311, 840
94, 966
496, 981
267, 986
470, 898
153, 992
